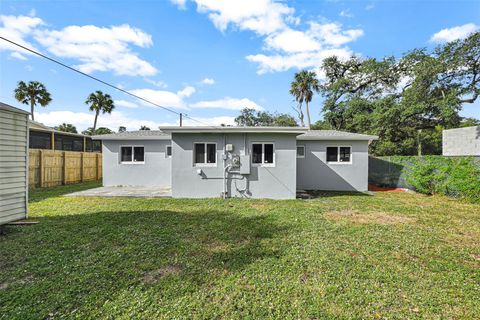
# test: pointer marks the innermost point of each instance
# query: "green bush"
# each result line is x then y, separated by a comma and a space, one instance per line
454, 177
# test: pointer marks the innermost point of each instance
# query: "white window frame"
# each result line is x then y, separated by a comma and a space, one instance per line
132, 162
338, 155
166, 151
263, 164
205, 164
304, 150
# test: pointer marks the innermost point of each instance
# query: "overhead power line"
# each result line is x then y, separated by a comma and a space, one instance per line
103, 81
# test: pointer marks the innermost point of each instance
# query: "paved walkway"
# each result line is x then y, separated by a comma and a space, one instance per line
133, 192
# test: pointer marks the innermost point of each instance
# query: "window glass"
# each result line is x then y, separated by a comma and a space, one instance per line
345, 154
169, 151
211, 153
332, 154
138, 154
301, 151
199, 153
257, 153
126, 154
268, 153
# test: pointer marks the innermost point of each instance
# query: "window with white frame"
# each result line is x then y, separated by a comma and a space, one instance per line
263, 153
339, 154
168, 151
205, 154
300, 151
132, 154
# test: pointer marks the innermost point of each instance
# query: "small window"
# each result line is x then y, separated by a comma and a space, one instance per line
168, 151
257, 153
263, 153
132, 154
205, 154
300, 151
138, 154
339, 154
345, 154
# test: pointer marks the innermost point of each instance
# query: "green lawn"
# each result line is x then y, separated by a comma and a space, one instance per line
391, 255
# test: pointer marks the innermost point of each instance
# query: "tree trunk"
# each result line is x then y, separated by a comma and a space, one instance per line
419, 143
308, 115
32, 105
95, 123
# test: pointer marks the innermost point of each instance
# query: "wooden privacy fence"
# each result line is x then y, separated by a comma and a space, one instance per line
48, 168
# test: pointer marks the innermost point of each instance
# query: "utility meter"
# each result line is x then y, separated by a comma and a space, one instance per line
235, 161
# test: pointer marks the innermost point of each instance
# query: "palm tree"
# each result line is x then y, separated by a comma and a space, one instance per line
66, 127
304, 84
99, 102
142, 128
32, 94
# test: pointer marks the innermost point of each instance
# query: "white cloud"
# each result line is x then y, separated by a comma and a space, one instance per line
291, 41
288, 46
279, 62
186, 92
260, 16
181, 4
227, 103
157, 83
208, 81
125, 103
161, 97
369, 6
17, 29
346, 14
84, 120
100, 48
455, 33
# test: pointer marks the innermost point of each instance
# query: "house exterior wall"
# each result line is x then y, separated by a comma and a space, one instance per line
276, 182
314, 173
461, 142
13, 165
156, 171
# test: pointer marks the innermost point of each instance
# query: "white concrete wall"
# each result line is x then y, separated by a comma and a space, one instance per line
156, 171
278, 182
314, 173
461, 142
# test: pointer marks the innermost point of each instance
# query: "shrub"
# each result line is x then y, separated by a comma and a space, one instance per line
454, 177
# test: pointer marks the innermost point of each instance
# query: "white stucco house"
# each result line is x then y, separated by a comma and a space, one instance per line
251, 162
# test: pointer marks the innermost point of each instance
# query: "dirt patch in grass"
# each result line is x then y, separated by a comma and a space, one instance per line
356, 217
155, 275
260, 206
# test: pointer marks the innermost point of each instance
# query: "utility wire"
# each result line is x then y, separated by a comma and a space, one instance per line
102, 81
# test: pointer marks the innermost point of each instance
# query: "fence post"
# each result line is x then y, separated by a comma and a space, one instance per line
42, 173
82, 161
96, 167
64, 168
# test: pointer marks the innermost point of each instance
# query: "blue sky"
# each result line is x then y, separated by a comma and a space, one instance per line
206, 58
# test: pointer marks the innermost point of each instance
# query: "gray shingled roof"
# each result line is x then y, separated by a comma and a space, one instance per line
334, 135
135, 135
309, 135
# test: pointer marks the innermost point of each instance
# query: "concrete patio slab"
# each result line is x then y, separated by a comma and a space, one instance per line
132, 192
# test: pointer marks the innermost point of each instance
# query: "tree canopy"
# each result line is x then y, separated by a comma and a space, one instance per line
66, 127
252, 118
406, 101
303, 86
101, 130
99, 102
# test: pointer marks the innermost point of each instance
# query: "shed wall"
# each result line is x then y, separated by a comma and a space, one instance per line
461, 142
156, 171
314, 173
277, 182
13, 165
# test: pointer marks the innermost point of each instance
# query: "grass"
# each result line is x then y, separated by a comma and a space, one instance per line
391, 255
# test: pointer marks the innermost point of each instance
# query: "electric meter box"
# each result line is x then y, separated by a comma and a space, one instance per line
245, 164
